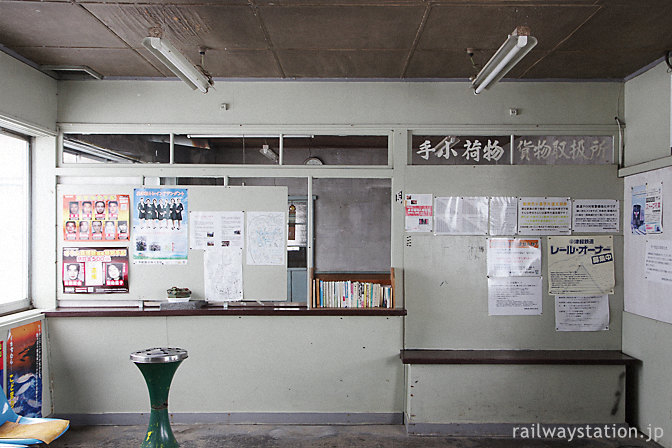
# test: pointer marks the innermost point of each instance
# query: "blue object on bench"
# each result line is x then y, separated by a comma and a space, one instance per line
7, 414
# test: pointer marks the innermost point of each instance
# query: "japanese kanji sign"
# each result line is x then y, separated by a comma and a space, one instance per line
563, 150
581, 265
461, 150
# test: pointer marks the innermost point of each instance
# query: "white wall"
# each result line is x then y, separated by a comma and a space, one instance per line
26, 95
647, 116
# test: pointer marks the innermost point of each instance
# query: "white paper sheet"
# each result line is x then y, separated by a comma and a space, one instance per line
580, 265
266, 239
456, 215
418, 211
658, 261
511, 296
544, 216
223, 267
582, 313
595, 215
514, 257
503, 215
216, 229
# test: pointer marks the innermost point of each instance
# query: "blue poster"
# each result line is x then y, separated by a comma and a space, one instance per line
24, 369
637, 221
160, 225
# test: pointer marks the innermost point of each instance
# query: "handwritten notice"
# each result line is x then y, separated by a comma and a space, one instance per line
658, 261
544, 216
418, 210
595, 215
582, 313
581, 265
509, 296
223, 273
266, 240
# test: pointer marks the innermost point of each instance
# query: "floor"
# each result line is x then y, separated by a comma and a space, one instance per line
273, 436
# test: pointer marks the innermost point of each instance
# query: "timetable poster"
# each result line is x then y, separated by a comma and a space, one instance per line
160, 226
95, 217
101, 270
24, 369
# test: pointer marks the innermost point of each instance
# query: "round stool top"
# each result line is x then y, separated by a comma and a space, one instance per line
159, 355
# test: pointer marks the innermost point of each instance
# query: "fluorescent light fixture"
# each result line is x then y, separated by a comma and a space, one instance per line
268, 153
177, 63
518, 44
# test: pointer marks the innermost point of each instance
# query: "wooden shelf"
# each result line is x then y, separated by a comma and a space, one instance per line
364, 277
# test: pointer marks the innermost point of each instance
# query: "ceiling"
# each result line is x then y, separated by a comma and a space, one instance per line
390, 39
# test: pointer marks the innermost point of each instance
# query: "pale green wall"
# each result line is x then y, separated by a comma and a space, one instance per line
647, 116
381, 108
26, 95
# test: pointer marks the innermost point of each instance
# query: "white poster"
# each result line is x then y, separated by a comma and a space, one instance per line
658, 261
513, 257
653, 213
461, 216
223, 267
580, 265
582, 313
216, 229
503, 215
544, 216
595, 215
514, 296
266, 239
418, 210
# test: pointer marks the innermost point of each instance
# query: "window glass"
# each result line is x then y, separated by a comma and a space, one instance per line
240, 150
116, 148
14, 237
335, 150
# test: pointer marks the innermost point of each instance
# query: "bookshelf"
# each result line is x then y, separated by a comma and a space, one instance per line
353, 290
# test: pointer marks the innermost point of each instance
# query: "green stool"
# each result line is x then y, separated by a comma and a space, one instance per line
158, 365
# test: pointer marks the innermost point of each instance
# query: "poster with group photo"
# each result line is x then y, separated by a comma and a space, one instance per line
95, 217
100, 270
160, 226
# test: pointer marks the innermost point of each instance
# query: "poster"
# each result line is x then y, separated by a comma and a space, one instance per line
216, 229
160, 226
514, 296
513, 257
503, 215
582, 313
266, 241
637, 223
658, 261
223, 267
595, 215
580, 265
461, 216
418, 210
653, 212
95, 217
99, 270
544, 216
24, 369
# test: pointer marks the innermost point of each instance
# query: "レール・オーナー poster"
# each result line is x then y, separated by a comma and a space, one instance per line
97, 270
160, 226
24, 369
95, 217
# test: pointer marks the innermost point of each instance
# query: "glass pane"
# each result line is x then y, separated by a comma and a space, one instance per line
335, 150
116, 148
14, 191
227, 150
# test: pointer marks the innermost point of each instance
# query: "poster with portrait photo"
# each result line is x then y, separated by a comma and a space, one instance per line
96, 217
100, 270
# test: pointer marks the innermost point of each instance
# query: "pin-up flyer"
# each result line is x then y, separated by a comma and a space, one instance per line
160, 226
95, 217
24, 369
581, 265
100, 270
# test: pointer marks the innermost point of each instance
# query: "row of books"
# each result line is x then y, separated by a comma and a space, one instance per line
350, 294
